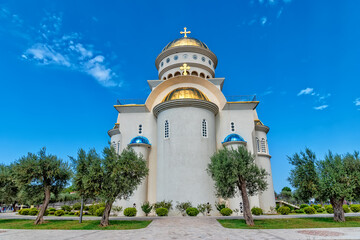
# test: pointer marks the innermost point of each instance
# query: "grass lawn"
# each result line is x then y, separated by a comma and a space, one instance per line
291, 223
71, 224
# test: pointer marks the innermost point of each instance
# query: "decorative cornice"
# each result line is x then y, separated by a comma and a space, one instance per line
139, 145
263, 155
113, 132
234, 142
262, 128
185, 103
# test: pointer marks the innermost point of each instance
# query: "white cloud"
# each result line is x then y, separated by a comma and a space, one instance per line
357, 102
263, 20
66, 50
322, 107
306, 91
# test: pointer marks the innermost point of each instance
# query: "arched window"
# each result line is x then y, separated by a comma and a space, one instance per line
140, 129
194, 73
167, 130
263, 146
202, 75
232, 127
177, 74
204, 128
257, 144
164, 78
118, 147
207, 76
170, 76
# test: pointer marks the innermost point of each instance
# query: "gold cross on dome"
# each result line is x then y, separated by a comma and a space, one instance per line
184, 68
185, 32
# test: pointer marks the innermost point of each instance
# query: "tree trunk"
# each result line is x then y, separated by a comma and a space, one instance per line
247, 212
14, 206
337, 205
105, 217
81, 209
40, 216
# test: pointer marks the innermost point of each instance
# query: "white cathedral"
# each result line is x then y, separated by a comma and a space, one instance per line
185, 119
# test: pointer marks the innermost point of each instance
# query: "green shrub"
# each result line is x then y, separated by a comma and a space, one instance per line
329, 209
24, 211
46, 212
100, 211
220, 205
66, 208
192, 212
161, 212
303, 205
77, 213
182, 207
299, 210
204, 208
346, 208
52, 209
256, 211
320, 210
92, 209
86, 208
163, 204
277, 206
146, 207
355, 208
76, 206
71, 213
316, 206
309, 210
51, 212
226, 211
284, 210
33, 211
130, 212
59, 213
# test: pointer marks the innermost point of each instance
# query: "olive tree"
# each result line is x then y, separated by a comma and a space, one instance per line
42, 171
121, 175
87, 176
234, 171
335, 178
9, 191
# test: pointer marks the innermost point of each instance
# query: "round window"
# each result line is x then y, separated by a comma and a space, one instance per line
203, 59
162, 63
167, 60
194, 57
185, 56
176, 57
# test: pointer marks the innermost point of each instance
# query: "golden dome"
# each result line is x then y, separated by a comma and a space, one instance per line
185, 41
185, 93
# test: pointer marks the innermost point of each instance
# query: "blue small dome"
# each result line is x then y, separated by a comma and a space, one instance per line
140, 139
233, 138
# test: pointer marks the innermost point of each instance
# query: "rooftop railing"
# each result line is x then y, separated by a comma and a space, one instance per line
241, 98
238, 98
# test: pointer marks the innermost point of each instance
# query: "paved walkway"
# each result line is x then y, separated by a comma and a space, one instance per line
183, 228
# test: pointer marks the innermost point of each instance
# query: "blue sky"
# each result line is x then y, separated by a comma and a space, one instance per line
64, 63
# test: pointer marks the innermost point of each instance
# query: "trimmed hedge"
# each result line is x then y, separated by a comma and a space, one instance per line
256, 211
66, 208
100, 211
355, 207
226, 211
59, 213
192, 212
130, 212
161, 212
301, 210
346, 208
33, 211
284, 210
329, 209
24, 211
309, 210
303, 205
320, 210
